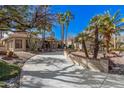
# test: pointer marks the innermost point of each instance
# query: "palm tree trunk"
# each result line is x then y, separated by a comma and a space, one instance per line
114, 42
66, 35
107, 46
108, 38
85, 49
96, 42
62, 34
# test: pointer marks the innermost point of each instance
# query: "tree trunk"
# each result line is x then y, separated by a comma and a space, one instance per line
85, 49
114, 42
107, 46
96, 42
66, 35
44, 29
108, 38
62, 34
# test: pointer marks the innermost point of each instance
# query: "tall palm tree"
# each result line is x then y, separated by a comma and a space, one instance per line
61, 21
69, 17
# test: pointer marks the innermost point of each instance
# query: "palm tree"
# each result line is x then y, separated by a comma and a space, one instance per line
93, 29
82, 37
69, 17
61, 21
111, 25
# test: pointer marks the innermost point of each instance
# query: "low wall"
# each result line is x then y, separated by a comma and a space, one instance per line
97, 65
2, 48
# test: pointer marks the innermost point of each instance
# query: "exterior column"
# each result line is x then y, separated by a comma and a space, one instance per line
24, 44
13, 44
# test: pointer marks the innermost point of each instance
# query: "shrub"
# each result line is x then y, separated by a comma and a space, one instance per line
10, 53
71, 46
8, 71
3, 84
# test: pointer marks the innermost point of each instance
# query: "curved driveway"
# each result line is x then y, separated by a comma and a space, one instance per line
52, 70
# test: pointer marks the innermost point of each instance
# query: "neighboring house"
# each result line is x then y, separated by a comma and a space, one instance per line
69, 42
17, 41
52, 41
118, 40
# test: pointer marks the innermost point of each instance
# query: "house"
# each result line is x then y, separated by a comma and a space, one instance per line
17, 41
118, 41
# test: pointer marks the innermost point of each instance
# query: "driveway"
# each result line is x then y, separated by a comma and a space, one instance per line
52, 70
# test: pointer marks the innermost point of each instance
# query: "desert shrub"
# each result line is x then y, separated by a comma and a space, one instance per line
9, 54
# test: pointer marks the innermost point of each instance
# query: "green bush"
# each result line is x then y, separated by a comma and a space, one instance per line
71, 46
3, 84
8, 71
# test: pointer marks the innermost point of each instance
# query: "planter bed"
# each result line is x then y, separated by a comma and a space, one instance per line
97, 65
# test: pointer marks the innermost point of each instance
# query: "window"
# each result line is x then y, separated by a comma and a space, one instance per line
27, 45
18, 43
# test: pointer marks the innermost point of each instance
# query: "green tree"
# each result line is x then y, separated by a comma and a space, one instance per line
82, 37
94, 28
69, 17
11, 18
61, 21
44, 20
111, 25
26, 18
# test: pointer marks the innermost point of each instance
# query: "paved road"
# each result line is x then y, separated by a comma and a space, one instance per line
52, 70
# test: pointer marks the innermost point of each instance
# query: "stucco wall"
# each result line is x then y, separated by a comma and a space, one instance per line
97, 65
12, 41
9, 44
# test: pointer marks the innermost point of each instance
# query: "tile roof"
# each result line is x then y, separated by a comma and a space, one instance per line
19, 34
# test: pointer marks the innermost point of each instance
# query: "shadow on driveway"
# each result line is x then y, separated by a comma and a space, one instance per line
65, 75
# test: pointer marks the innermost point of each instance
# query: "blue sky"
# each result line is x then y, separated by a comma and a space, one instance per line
82, 15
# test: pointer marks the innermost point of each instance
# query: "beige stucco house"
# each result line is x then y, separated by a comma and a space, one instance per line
18, 41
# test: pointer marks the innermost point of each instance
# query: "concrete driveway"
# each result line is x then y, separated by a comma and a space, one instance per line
52, 70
